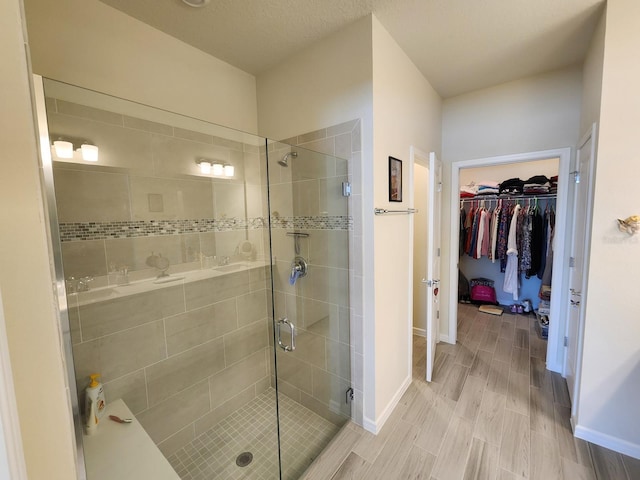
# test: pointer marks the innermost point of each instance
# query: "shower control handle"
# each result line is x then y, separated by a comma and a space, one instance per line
292, 328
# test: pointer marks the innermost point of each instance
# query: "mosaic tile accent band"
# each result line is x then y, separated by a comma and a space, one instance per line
78, 231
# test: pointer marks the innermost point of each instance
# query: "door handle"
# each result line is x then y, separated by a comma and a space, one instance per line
575, 292
431, 283
292, 328
575, 303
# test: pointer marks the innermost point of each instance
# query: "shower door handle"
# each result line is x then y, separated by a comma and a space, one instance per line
292, 328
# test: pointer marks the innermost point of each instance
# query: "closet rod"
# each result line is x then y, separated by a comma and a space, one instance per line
383, 211
509, 197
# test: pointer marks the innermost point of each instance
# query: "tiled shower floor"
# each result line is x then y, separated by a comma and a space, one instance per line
252, 428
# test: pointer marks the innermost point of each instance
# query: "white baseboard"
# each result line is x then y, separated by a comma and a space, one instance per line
374, 426
445, 338
421, 332
607, 441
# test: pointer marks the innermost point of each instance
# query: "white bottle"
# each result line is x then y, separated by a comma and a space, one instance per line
95, 395
91, 423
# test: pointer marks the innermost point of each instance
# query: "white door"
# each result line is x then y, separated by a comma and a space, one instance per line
582, 173
433, 260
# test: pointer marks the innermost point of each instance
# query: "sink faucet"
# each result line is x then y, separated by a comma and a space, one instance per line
83, 284
224, 260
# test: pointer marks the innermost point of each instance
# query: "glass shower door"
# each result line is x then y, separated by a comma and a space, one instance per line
309, 242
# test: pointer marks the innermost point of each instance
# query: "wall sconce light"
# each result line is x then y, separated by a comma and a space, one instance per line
63, 149
86, 151
89, 152
215, 168
205, 166
218, 169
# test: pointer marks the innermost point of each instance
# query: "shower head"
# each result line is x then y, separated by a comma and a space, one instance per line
284, 161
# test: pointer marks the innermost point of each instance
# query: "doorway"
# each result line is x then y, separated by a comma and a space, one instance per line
557, 325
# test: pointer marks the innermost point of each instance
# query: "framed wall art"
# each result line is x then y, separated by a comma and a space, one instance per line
395, 180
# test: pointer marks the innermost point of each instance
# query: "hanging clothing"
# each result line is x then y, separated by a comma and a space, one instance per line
525, 252
495, 220
503, 233
486, 240
511, 270
481, 233
537, 240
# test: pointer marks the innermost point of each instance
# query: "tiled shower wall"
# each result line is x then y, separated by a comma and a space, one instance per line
326, 306
182, 356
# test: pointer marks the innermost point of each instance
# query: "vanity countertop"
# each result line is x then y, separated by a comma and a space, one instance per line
124, 451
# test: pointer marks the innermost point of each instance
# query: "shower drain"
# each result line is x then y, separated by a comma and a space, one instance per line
244, 459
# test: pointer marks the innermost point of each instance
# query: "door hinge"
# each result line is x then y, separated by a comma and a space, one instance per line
566, 341
346, 189
438, 314
349, 395
572, 262
438, 254
576, 176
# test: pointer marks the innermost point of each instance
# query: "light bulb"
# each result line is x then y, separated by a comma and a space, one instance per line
89, 152
229, 170
205, 168
218, 169
63, 149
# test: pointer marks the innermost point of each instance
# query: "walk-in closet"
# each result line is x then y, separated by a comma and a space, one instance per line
507, 238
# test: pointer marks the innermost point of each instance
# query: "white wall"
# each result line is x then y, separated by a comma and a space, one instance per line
87, 43
25, 275
532, 114
592, 78
610, 382
406, 112
420, 226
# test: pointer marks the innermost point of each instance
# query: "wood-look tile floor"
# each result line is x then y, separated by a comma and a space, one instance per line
493, 411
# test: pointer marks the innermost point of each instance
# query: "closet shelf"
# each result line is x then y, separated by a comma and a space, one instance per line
508, 197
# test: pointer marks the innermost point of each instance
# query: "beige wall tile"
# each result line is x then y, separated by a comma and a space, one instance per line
208, 243
343, 150
282, 271
74, 323
339, 359
192, 135
212, 290
178, 372
111, 316
134, 252
177, 412
147, 126
86, 361
237, 377
181, 199
88, 113
314, 161
177, 440
341, 128
329, 248
294, 372
310, 347
178, 156
252, 307
322, 318
285, 388
281, 199
229, 201
227, 242
198, 326
125, 352
85, 196
221, 411
327, 285
331, 391
132, 389
245, 341
321, 409
311, 136
305, 198
84, 258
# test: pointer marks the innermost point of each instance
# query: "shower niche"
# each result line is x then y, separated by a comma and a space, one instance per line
175, 281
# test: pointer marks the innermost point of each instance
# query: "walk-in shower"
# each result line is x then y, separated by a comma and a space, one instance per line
177, 287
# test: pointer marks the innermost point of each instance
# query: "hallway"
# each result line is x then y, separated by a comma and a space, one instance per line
492, 412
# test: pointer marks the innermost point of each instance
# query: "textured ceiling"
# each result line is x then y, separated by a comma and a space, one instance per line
459, 45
